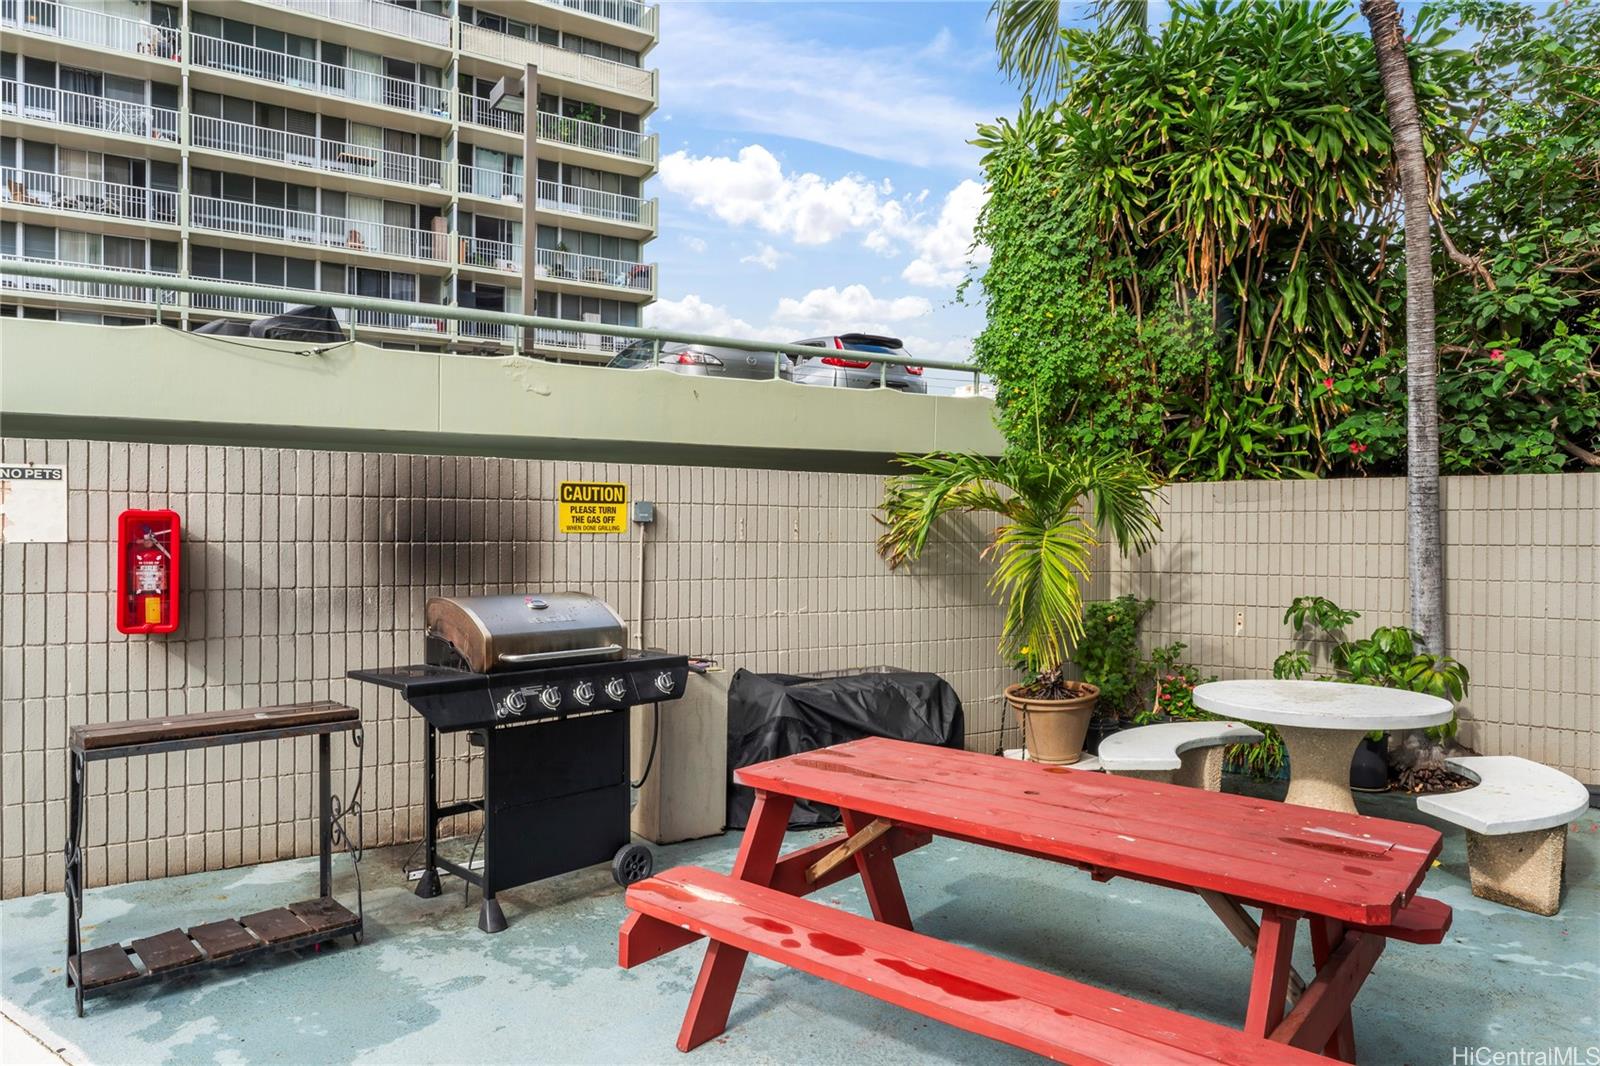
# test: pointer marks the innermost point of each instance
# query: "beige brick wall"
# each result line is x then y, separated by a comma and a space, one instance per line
300, 565
1522, 591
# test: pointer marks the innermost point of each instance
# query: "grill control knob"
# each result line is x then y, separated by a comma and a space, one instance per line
616, 688
665, 682
551, 698
583, 692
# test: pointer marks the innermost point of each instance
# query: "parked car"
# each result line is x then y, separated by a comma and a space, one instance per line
702, 360
842, 370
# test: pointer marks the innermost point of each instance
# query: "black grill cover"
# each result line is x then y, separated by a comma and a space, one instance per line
773, 715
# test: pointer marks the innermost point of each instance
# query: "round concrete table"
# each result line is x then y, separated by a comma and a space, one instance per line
1322, 723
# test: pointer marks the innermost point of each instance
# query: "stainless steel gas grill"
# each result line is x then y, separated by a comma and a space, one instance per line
543, 683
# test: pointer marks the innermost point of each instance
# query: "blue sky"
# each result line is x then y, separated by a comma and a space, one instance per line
814, 171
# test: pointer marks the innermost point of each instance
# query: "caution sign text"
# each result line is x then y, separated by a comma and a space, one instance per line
593, 507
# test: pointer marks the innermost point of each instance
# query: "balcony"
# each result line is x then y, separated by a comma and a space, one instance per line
375, 15
241, 305
633, 82
580, 133
305, 150
298, 72
398, 320
476, 110
593, 203
627, 12
491, 255
86, 196
109, 33
595, 270
310, 228
88, 112
493, 184
577, 341
88, 290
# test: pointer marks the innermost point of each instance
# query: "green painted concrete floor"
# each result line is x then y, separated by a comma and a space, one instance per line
427, 987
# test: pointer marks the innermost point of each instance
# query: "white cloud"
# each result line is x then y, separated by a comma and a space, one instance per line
851, 308
696, 244
694, 315
766, 258
944, 249
881, 101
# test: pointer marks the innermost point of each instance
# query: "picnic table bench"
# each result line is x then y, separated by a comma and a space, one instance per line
1352, 879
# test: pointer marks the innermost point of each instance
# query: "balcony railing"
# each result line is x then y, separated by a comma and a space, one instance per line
90, 112
93, 290
242, 305
397, 320
305, 150
494, 255
558, 62
308, 227
597, 138
494, 184
577, 340
476, 110
299, 72
111, 33
596, 204
594, 269
375, 15
87, 196
627, 12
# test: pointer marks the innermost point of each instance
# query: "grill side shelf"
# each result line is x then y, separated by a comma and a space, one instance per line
420, 680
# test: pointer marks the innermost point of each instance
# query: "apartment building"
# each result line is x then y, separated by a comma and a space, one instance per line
388, 148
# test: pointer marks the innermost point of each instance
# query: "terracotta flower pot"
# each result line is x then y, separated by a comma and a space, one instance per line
1055, 728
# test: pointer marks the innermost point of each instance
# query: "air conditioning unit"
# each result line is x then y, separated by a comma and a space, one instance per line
507, 95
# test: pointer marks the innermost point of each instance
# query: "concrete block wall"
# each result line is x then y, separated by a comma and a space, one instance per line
1522, 590
300, 565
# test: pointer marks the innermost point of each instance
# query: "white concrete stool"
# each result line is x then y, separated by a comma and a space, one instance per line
1183, 753
1516, 821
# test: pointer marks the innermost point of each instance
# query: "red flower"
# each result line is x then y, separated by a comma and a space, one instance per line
1497, 354
1327, 383
1356, 447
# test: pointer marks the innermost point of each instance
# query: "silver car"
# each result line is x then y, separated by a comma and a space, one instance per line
843, 367
702, 360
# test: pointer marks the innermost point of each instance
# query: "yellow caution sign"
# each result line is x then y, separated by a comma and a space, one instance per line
593, 507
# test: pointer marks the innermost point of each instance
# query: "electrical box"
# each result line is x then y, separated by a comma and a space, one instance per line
644, 512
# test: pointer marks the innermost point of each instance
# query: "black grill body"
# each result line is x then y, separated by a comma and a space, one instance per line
555, 753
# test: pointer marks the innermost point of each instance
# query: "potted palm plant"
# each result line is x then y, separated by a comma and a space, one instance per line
1053, 511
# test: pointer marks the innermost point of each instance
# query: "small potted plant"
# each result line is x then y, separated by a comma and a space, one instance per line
1053, 511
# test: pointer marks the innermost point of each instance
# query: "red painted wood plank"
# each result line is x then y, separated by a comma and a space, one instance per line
1350, 867
644, 938
1043, 1013
1421, 921
1326, 936
1325, 1006
878, 876
1269, 982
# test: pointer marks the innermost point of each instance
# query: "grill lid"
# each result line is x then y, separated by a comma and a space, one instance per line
524, 631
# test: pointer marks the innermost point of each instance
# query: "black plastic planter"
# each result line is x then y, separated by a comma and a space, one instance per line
1369, 768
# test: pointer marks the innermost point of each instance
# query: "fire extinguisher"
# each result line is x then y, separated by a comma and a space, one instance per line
150, 567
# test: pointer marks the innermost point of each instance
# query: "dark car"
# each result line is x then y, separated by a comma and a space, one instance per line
702, 360
843, 367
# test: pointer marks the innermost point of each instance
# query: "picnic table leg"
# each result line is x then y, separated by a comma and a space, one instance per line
1270, 980
1325, 936
1244, 930
878, 876
720, 972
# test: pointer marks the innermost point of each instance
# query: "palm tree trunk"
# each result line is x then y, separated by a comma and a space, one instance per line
1424, 557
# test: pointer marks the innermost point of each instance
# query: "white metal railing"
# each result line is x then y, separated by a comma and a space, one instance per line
309, 227
241, 305
476, 110
495, 255
113, 33
558, 62
627, 12
324, 78
582, 133
91, 112
494, 184
94, 290
397, 320
88, 196
489, 331
302, 149
594, 269
596, 204
579, 340
375, 15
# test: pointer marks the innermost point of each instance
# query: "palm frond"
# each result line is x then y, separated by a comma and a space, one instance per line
1027, 42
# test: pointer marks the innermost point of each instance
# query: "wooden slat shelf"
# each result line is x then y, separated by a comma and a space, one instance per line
175, 952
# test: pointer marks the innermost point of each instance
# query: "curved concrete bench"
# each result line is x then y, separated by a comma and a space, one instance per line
1516, 821
1184, 753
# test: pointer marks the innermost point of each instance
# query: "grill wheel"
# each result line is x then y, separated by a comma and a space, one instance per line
634, 862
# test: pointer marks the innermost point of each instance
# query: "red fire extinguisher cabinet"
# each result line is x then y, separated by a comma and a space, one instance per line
149, 565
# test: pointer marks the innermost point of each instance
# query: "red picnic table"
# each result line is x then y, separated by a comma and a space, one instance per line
1353, 879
